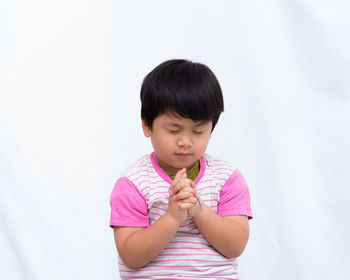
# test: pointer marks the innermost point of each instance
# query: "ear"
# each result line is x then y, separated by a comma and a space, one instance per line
211, 129
146, 130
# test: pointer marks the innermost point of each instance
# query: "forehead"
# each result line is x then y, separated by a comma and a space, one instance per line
173, 119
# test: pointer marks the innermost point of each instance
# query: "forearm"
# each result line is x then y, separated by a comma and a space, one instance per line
227, 236
144, 245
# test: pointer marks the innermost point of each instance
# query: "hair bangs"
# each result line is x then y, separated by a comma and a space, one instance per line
183, 88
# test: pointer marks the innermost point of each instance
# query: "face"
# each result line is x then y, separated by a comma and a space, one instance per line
178, 142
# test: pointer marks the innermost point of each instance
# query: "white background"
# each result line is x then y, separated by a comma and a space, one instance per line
70, 76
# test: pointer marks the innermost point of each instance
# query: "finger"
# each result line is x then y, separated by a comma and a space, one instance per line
187, 190
185, 206
192, 200
173, 189
181, 184
170, 191
180, 173
193, 185
183, 195
178, 176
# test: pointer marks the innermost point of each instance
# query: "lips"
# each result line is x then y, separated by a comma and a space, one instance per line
184, 155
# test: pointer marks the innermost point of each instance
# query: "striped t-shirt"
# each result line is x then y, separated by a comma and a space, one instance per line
140, 197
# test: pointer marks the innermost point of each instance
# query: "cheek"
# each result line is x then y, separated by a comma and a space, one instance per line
202, 145
163, 143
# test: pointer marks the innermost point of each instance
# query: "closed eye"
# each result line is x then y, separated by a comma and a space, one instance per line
197, 132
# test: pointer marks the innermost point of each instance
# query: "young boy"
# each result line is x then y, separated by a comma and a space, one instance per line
179, 213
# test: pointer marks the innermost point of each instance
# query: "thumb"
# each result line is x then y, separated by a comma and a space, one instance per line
180, 174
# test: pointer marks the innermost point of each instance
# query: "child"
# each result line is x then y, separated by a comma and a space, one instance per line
179, 213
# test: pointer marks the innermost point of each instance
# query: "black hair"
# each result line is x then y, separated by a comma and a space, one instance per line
184, 88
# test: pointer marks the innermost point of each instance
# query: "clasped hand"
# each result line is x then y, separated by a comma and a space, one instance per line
183, 201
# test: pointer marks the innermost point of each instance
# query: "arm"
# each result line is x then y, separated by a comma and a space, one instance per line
228, 235
138, 246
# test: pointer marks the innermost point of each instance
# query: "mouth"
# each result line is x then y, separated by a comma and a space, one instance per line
183, 155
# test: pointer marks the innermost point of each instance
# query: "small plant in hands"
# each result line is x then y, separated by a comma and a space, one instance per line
183, 192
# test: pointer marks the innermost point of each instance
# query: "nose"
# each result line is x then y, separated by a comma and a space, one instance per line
184, 140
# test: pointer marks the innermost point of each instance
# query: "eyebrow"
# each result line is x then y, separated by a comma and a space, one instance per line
172, 124
201, 123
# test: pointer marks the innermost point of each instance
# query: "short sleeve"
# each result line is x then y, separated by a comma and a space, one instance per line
234, 197
128, 206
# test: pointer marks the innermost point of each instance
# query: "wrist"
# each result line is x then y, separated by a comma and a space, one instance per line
173, 220
199, 212
196, 210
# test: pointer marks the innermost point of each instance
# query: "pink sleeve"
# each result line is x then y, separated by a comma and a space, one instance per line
234, 197
128, 206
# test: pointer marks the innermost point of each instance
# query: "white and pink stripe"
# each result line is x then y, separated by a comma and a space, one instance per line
188, 255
